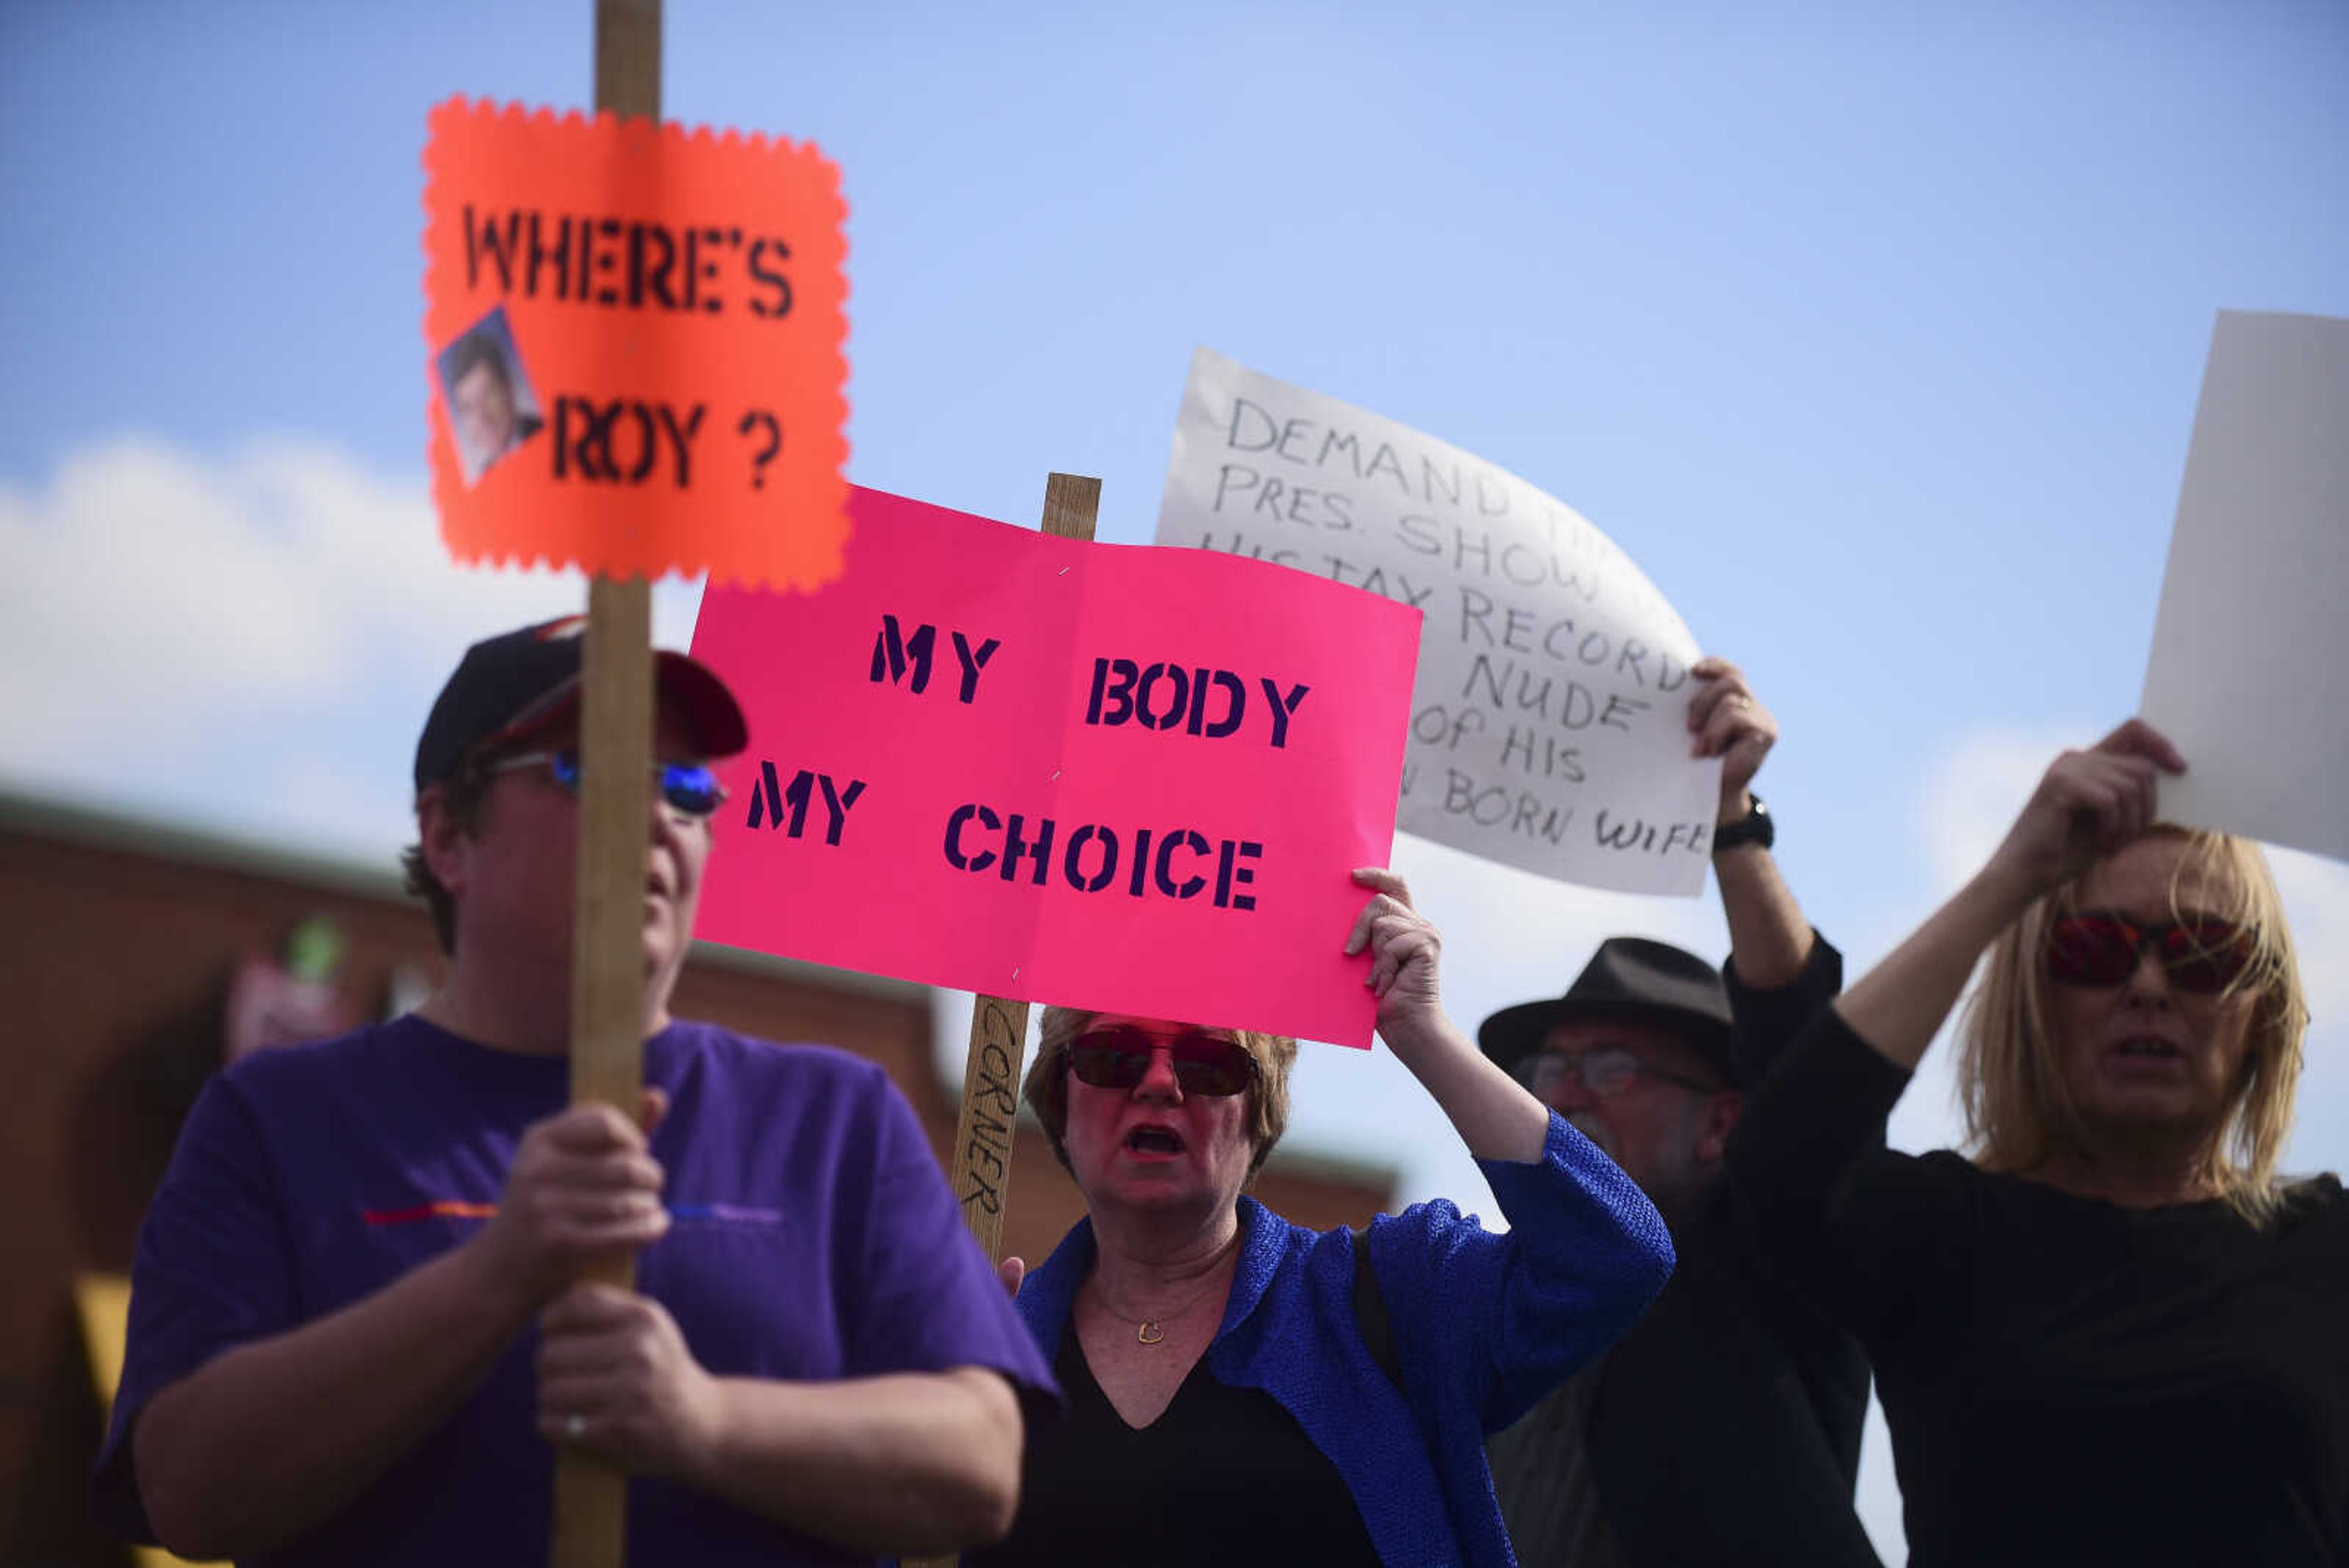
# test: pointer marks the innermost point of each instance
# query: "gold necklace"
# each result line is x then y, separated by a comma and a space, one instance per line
1152, 1330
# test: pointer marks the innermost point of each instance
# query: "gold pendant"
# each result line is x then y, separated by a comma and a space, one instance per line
1148, 1333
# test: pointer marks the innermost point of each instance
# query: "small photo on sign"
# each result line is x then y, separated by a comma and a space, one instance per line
492, 405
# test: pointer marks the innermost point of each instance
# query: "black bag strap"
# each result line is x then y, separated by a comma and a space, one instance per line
1371, 1311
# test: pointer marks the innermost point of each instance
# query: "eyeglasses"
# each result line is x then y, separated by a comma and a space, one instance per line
2099, 948
691, 787
1118, 1057
1606, 1071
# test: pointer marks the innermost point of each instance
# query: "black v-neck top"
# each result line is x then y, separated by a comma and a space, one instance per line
1223, 1477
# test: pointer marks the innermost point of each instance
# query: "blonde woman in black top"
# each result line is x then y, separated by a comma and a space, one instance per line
2112, 1334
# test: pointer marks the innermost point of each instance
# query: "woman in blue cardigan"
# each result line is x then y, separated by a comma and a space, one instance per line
1223, 1406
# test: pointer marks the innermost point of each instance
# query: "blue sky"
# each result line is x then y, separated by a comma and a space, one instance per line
1874, 338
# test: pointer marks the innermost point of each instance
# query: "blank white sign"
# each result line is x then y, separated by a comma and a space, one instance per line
2250, 673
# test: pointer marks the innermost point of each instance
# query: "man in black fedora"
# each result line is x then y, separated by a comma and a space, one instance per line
1725, 1428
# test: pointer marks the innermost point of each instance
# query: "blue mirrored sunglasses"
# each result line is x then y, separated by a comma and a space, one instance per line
691, 787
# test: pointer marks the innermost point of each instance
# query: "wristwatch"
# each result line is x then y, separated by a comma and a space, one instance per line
1757, 827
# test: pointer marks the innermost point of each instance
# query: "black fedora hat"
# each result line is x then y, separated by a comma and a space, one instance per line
1630, 978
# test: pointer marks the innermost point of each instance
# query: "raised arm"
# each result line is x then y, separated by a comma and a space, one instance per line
1877, 1239
1500, 1319
2089, 804
1770, 939
1493, 1114
1779, 972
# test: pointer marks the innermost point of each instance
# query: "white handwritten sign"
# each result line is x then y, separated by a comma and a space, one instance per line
1548, 724
2250, 672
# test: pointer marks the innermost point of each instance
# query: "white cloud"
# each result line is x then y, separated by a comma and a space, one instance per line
2316, 900
164, 603
333, 808
1975, 793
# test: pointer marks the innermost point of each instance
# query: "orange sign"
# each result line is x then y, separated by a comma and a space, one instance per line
635, 347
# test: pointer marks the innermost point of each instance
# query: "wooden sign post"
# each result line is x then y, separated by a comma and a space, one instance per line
616, 737
732, 369
980, 1164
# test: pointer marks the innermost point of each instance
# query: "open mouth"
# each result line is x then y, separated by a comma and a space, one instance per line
2145, 1049
1153, 1140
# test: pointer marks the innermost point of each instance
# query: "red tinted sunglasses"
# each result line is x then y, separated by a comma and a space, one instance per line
1118, 1057
2097, 947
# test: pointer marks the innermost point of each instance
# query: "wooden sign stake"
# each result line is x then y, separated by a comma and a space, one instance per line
980, 1164
616, 736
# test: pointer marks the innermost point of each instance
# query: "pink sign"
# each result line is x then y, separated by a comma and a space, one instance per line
1119, 777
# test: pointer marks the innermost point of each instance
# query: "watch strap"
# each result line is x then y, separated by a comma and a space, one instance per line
1757, 827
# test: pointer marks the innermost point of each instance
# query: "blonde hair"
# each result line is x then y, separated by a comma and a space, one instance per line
1046, 1087
2018, 1112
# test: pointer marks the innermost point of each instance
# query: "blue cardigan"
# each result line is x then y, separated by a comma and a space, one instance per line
1484, 1325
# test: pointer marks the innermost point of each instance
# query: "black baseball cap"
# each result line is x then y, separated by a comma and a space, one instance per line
1632, 977
510, 683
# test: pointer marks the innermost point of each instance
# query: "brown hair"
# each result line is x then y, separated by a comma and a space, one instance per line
1047, 1088
2017, 1109
462, 793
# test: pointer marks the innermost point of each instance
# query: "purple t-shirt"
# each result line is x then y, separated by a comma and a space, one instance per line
813, 1238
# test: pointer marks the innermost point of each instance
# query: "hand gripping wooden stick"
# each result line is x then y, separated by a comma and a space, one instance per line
607, 952
979, 1165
